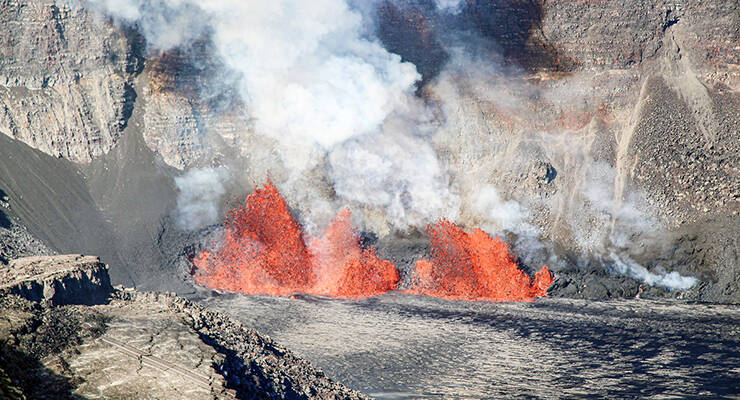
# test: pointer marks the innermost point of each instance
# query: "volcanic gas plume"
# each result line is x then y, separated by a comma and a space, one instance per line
264, 252
474, 266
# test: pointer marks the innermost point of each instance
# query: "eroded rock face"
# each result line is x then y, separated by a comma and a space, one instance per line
190, 105
64, 279
618, 35
65, 78
633, 105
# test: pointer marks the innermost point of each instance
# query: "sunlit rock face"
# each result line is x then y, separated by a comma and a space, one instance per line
566, 111
58, 280
65, 78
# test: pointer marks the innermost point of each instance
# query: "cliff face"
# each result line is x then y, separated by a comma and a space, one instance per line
190, 105
65, 78
674, 117
644, 94
620, 78
59, 280
584, 112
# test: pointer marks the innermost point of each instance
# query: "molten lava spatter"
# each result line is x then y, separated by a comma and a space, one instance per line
346, 269
264, 252
474, 266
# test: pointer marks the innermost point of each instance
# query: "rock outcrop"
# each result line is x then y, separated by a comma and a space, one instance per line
61, 338
59, 280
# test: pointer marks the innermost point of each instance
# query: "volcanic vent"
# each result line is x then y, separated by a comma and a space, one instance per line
264, 250
474, 266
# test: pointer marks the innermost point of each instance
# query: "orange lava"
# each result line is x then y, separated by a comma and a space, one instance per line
263, 252
474, 266
348, 270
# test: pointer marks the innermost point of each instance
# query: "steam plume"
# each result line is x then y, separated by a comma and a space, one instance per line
672, 280
396, 172
314, 78
308, 71
200, 192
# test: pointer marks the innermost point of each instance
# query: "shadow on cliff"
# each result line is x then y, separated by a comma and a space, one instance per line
416, 30
516, 27
234, 368
409, 31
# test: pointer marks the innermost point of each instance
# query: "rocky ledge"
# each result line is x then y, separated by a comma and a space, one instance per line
55, 342
64, 279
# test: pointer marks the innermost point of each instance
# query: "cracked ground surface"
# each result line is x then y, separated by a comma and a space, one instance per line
399, 346
147, 346
147, 351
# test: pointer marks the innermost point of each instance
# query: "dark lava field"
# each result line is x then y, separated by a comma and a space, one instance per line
399, 346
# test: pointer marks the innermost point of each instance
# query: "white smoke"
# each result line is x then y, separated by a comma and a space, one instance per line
502, 214
450, 6
396, 172
314, 78
673, 280
199, 197
165, 24
616, 229
308, 71
626, 228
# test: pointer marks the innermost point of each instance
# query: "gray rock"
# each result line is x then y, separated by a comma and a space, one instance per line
65, 78
59, 280
54, 344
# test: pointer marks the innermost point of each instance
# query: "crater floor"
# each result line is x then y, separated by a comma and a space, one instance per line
400, 346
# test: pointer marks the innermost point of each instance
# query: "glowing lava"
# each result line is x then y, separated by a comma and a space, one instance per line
474, 266
263, 252
348, 269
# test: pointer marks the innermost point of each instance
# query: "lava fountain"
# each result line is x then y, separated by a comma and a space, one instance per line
349, 270
474, 266
264, 252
